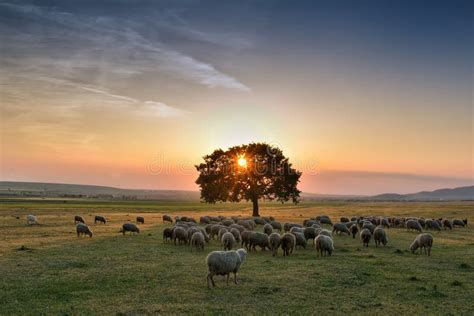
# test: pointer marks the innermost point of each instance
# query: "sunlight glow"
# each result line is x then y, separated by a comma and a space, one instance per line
242, 162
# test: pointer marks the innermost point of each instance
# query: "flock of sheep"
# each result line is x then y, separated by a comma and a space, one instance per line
236, 231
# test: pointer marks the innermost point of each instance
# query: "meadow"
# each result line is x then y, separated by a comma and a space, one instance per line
46, 269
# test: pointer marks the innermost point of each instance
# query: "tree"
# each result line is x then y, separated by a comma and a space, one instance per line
248, 172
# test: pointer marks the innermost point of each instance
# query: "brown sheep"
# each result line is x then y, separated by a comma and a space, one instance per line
78, 219
354, 229
167, 218
167, 234
140, 220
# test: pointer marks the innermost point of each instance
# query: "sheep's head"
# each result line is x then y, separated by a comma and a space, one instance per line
242, 254
414, 246
90, 234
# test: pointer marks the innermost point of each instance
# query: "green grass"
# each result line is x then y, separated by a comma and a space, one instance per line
116, 275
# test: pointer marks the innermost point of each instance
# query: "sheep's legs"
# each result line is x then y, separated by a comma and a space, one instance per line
227, 280
235, 278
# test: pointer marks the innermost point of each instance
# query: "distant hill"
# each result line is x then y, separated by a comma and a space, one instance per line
456, 194
90, 191
36, 189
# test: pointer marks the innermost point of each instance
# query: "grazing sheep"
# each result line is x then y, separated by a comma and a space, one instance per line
100, 219
276, 225
250, 225
140, 220
369, 225
222, 231
78, 219
458, 222
31, 219
274, 240
297, 230
300, 240
258, 239
83, 229
228, 241
344, 220
224, 263
325, 220
227, 222
340, 228
447, 224
412, 224
432, 224
203, 220
167, 234
385, 223
380, 236
245, 236
180, 234
288, 226
240, 228
309, 222
236, 233
325, 232
311, 233
215, 230
288, 243
259, 221
197, 241
323, 245
267, 229
129, 227
422, 221
354, 229
167, 218
365, 236
422, 241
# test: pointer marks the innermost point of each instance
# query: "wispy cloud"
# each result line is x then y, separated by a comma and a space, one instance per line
128, 51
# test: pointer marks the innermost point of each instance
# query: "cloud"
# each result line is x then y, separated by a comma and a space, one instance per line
163, 110
127, 51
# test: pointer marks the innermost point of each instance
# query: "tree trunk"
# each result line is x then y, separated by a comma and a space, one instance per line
255, 207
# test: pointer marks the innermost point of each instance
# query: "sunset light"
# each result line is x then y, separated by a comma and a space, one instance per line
242, 162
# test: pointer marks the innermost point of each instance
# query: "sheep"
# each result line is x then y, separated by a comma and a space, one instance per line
83, 229
236, 233
204, 220
129, 227
344, 220
227, 222
276, 225
245, 236
288, 243
458, 222
354, 229
365, 236
340, 228
433, 224
380, 236
258, 239
78, 219
197, 241
240, 228
274, 241
167, 218
224, 263
412, 224
167, 234
325, 220
323, 245
422, 241
310, 233
259, 221
228, 241
100, 219
422, 222
325, 232
267, 229
300, 239
215, 230
140, 220
180, 234
31, 219
385, 223
222, 231
248, 224
297, 230
309, 222
369, 225
447, 224
288, 226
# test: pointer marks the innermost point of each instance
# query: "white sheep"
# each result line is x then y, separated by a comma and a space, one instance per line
224, 263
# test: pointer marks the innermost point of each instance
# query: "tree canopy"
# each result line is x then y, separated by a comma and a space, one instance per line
248, 173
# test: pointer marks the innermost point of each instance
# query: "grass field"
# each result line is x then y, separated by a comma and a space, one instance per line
110, 274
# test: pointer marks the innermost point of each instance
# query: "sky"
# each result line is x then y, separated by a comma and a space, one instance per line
365, 97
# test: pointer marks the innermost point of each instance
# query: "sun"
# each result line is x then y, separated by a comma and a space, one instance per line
242, 162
